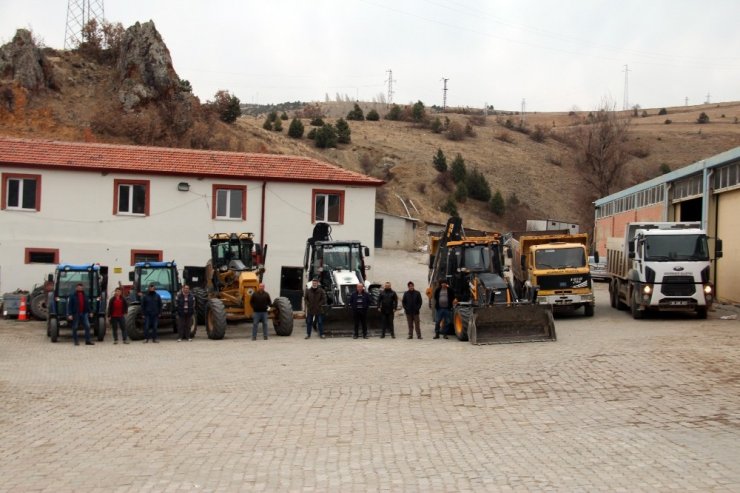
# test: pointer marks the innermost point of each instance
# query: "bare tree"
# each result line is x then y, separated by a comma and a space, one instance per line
600, 150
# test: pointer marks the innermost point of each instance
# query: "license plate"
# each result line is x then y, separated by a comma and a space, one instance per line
678, 302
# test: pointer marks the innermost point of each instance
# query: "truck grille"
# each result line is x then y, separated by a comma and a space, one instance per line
678, 286
569, 281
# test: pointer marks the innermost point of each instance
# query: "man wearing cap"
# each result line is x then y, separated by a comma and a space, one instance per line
315, 298
151, 307
444, 298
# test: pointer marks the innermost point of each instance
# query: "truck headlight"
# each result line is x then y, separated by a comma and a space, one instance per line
707, 289
647, 289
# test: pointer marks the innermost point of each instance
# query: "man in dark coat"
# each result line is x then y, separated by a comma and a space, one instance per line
359, 301
260, 302
185, 304
151, 307
387, 304
412, 302
78, 310
444, 300
315, 298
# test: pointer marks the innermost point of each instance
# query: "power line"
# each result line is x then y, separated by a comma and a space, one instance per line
390, 82
79, 14
444, 94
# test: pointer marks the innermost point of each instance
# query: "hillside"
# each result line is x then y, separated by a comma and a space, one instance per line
541, 174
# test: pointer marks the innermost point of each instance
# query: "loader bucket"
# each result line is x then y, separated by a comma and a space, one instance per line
515, 322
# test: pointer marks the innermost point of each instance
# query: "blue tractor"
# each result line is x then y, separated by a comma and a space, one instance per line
66, 279
167, 284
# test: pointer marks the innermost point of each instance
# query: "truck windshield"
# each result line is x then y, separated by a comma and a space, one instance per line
477, 258
667, 248
234, 250
342, 257
69, 279
162, 278
560, 258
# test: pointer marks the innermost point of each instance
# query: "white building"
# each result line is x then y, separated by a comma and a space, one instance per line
394, 232
65, 202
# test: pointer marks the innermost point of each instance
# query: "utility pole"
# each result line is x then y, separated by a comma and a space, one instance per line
444, 94
79, 13
626, 103
686, 101
707, 101
390, 82
524, 104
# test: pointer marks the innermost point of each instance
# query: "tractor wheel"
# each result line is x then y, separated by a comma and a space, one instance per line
637, 314
54, 329
215, 319
134, 323
201, 300
193, 326
588, 310
374, 292
100, 329
282, 316
38, 304
461, 320
701, 312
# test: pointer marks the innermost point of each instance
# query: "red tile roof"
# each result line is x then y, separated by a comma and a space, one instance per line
170, 161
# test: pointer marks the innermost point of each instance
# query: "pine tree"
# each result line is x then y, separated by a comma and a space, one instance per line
343, 132
296, 129
440, 161
458, 169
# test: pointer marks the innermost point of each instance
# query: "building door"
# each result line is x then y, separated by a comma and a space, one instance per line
291, 286
728, 230
378, 233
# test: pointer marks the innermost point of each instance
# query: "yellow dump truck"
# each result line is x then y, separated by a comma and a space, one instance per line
552, 269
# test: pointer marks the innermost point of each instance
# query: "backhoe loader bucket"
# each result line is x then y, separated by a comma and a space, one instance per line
515, 322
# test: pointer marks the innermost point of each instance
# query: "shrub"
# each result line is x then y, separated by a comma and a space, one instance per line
436, 125
449, 207
326, 136
418, 112
372, 116
445, 181
497, 204
317, 122
458, 169
394, 114
440, 161
477, 185
663, 111
311, 134
469, 130
272, 116
296, 129
703, 118
455, 131
504, 137
356, 114
227, 106
644, 113
668, 121
539, 134
664, 168
640, 152
284, 116
513, 200
477, 120
267, 125
277, 126
343, 131
421, 188
555, 160
366, 164
461, 193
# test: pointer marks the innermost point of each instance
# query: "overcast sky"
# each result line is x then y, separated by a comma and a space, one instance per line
556, 55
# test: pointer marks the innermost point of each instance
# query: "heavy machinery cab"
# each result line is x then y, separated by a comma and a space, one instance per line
235, 251
473, 270
66, 279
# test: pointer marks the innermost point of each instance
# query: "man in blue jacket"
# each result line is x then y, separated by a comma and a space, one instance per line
151, 307
78, 310
359, 301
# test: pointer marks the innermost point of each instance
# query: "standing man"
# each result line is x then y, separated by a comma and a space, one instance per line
260, 302
387, 304
151, 307
360, 302
78, 310
185, 305
411, 302
117, 308
443, 300
315, 298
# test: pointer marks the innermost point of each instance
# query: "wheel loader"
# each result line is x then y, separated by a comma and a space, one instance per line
486, 308
224, 287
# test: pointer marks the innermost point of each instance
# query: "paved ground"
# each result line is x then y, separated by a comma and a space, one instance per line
613, 405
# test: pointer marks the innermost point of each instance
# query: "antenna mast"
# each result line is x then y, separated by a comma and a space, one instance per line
79, 13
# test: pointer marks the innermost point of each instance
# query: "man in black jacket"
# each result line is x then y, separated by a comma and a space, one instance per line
359, 301
151, 307
411, 302
387, 304
260, 303
185, 311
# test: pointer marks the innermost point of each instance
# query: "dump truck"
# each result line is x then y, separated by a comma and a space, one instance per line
486, 310
556, 264
340, 266
66, 278
223, 288
661, 266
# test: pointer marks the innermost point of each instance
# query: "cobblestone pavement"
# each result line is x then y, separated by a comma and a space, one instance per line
613, 405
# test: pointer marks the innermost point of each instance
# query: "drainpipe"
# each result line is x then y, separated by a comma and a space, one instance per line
707, 195
262, 216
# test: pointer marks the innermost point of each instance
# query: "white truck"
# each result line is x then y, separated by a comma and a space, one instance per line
660, 266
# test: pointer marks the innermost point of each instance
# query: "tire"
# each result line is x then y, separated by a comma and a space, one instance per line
201, 300
612, 295
100, 329
588, 310
54, 329
461, 317
637, 314
374, 293
215, 319
282, 316
701, 312
38, 305
193, 326
620, 305
134, 323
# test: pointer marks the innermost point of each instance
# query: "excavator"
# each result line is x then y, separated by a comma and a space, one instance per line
486, 307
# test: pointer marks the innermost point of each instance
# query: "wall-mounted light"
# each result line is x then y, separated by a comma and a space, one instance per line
183, 186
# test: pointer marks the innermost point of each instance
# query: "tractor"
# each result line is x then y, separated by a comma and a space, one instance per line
487, 310
223, 288
167, 284
66, 278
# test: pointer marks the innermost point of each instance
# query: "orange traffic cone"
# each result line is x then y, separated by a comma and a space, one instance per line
22, 315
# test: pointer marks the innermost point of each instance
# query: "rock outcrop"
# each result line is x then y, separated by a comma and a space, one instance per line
23, 63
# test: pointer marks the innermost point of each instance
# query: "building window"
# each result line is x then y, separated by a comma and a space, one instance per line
146, 256
21, 192
42, 256
328, 206
131, 197
229, 202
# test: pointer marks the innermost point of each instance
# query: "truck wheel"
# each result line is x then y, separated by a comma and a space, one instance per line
588, 310
201, 300
38, 305
461, 320
701, 312
100, 329
134, 323
54, 329
282, 316
612, 295
637, 314
620, 304
215, 319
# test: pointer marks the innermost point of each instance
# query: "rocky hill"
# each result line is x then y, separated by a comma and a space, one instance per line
130, 93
